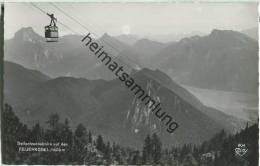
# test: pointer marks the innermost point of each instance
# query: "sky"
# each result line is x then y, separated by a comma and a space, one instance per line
142, 19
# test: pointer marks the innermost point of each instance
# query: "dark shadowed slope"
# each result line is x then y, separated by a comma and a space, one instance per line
108, 107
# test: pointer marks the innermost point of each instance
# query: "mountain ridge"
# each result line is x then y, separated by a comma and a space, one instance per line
184, 61
95, 104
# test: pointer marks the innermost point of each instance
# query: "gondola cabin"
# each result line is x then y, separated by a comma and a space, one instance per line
51, 30
51, 33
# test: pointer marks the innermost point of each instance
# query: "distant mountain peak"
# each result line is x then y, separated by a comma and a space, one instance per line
27, 34
231, 36
112, 42
146, 41
106, 36
217, 32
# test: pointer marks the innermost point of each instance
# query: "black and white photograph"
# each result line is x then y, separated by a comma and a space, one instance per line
111, 83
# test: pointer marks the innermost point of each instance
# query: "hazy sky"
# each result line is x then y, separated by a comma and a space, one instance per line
145, 19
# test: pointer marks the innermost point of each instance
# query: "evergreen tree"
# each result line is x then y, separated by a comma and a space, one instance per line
53, 120
147, 150
90, 137
189, 160
108, 153
37, 133
156, 150
136, 158
80, 142
100, 143
12, 131
80, 131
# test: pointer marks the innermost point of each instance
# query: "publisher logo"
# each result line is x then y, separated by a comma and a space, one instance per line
241, 150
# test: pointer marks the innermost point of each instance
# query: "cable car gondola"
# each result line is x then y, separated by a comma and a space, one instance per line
51, 31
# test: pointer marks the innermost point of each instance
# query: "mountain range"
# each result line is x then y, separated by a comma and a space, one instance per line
44, 78
223, 60
108, 107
